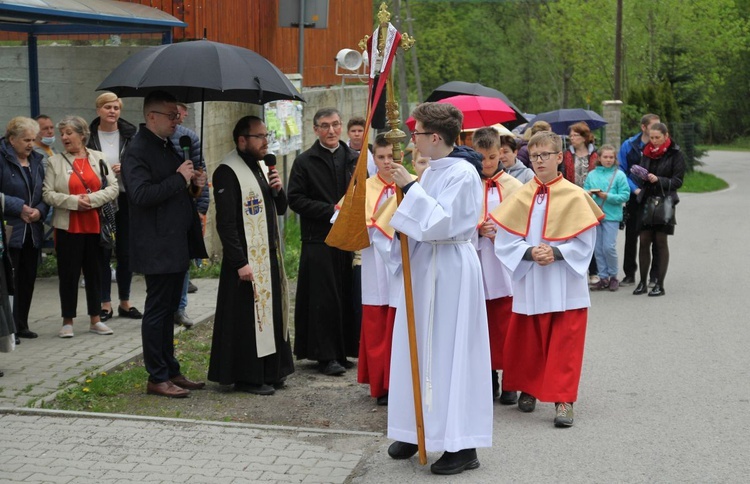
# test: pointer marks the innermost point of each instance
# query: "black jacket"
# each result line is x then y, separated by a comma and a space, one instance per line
316, 186
670, 169
165, 232
127, 131
17, 191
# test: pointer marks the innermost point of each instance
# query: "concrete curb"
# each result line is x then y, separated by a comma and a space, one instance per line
143, 418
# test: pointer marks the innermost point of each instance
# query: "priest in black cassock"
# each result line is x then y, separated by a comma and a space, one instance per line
325, 328
250, 346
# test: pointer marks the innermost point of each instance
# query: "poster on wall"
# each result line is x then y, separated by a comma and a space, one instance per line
284, 124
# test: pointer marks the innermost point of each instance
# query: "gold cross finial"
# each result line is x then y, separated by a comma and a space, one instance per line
407, 41
384, 16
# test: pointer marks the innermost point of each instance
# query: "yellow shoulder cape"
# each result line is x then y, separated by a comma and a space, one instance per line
570, 210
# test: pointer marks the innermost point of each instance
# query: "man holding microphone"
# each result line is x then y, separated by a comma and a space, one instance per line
165, 233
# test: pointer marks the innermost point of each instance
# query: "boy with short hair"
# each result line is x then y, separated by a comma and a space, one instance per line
377, 320
355, 130
547, 237
498, 291
439, 215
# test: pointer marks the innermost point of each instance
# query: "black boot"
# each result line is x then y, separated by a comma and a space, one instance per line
455, 462
641, 288
657, 290
402, 450
495, 385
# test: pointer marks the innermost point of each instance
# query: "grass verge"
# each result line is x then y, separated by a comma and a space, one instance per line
123, 390
702, 182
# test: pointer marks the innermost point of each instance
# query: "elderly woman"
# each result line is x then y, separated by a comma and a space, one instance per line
21, 179
111, 135
73, 186
666, 169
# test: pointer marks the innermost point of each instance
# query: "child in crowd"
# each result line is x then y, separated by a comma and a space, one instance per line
608, 186
498, 292
546, 239
377, 319
439, 216
508, 156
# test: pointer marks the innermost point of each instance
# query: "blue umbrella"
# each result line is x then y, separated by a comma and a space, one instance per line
561, 119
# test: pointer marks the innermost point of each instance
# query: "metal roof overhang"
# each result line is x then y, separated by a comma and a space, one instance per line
67, 17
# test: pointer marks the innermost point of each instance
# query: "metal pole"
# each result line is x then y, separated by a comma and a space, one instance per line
301, 59
33, 76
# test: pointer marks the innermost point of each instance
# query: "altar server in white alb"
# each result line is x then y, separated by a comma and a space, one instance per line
439, 215
546, 239
498, 291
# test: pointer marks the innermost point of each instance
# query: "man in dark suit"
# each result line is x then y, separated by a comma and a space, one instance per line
165, 233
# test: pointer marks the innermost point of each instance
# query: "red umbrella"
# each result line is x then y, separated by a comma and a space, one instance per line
479, 111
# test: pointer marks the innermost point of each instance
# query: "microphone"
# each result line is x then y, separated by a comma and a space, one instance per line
185, 143
270, 161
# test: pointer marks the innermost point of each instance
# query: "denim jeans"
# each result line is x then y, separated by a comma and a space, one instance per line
606, 248
183, 298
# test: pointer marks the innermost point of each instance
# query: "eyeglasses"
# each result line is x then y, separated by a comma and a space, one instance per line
259, 136
326, 126
417, 133
171, 116
544, 156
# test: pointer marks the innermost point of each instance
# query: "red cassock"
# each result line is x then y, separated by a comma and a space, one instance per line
374, 365
543, 354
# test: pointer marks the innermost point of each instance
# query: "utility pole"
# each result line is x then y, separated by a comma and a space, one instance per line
618, 52
415, 62
403, 90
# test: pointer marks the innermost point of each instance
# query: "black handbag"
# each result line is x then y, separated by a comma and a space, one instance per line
107, 227
658, 210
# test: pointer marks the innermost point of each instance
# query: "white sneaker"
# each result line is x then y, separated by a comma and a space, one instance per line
100, 328
594, 280
66, 331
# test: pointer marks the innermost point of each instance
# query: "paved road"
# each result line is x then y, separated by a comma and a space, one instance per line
665, 392
664, 396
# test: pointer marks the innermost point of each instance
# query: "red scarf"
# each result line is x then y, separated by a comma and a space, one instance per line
651, 151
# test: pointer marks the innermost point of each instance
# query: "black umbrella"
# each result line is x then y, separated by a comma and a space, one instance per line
455, 88
199, 71
562, 119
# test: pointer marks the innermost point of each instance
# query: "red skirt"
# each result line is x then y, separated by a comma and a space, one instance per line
498, 317
543, 354
374, 365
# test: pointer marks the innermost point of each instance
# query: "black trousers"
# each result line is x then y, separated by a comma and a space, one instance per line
76, 252
122, 254
632, 235
163, 292
25, 263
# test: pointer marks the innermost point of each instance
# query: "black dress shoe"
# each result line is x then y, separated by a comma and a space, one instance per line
627, 281
455, 462
658, 290
2, 374
508, 398
131, 313
641, 288
331, 368
25, 333
18, 341
280, 383
106, 315
383, 400
254, 389
402, 450
346, 364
